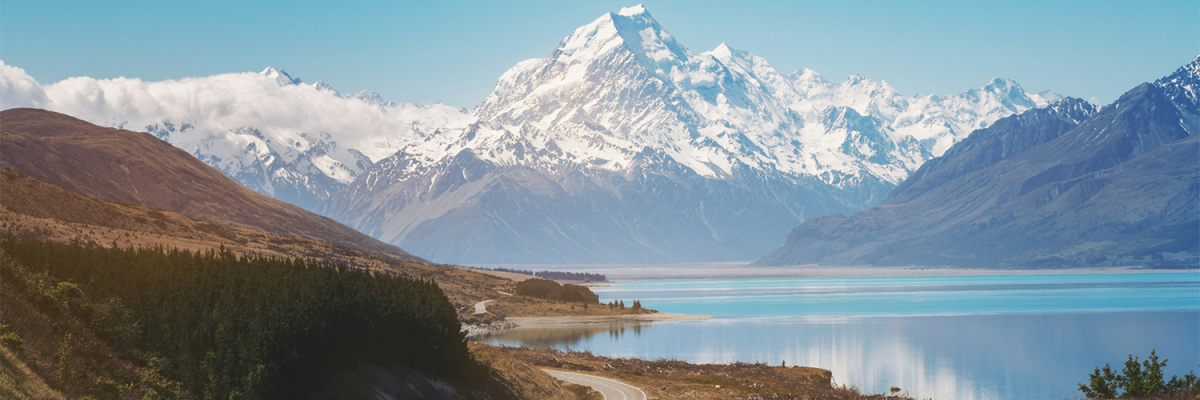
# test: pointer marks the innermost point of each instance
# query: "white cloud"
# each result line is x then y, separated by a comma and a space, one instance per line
221, 103
18, 89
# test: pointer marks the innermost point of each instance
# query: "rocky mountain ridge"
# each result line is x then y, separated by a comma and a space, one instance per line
1068, 185
619, 117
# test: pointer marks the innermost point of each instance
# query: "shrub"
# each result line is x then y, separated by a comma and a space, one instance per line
64, 358
10, 338
1138, 380
551, 290
66, 290
108, 388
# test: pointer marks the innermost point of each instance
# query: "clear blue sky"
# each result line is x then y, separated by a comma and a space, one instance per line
453, 51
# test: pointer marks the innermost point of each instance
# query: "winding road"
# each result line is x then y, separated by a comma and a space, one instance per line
611, 389
481, 307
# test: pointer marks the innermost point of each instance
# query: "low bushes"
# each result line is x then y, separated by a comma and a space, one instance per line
551, 290
1139, 380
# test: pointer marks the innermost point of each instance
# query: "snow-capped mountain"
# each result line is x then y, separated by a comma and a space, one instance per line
305, 168
301, 167
1067, 185
625, 146
268, 130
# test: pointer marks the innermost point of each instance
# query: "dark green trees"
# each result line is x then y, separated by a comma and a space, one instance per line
229, 326
1138, 380
551, 290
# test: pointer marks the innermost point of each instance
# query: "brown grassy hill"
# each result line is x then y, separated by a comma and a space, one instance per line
36, 209
138, 168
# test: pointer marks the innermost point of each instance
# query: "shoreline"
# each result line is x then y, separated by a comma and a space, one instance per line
510, 323
743, 270
565, 320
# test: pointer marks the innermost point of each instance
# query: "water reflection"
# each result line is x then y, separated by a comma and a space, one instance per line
564, 337
1025, 356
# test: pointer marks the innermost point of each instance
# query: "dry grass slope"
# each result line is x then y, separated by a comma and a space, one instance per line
18, 382
33, 208
137, 168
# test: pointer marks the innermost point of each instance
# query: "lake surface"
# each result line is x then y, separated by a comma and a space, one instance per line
959, 337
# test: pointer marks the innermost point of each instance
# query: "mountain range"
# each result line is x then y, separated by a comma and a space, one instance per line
621, 146
1068, 185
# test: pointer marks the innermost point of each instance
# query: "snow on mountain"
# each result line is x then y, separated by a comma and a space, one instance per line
619, 115
1067, 185
937, 122
322, 86
623, 83
269, 131
306, 167
280, 76
624, 145
1183, 87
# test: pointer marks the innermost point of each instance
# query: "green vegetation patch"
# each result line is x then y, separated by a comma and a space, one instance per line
551, 290
1139, 380
228, 326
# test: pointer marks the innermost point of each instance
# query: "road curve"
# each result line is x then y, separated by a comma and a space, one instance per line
481, 307
611, 389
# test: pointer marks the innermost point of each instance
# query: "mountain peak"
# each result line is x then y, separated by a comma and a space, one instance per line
324, 87
869, 85
370, 97
1189, 71
1183, 87
1000, 85
632, 28
633, 11
723, 51
1071, 108
808, 75
280, 76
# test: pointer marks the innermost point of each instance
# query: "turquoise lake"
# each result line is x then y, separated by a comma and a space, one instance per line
956, 337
